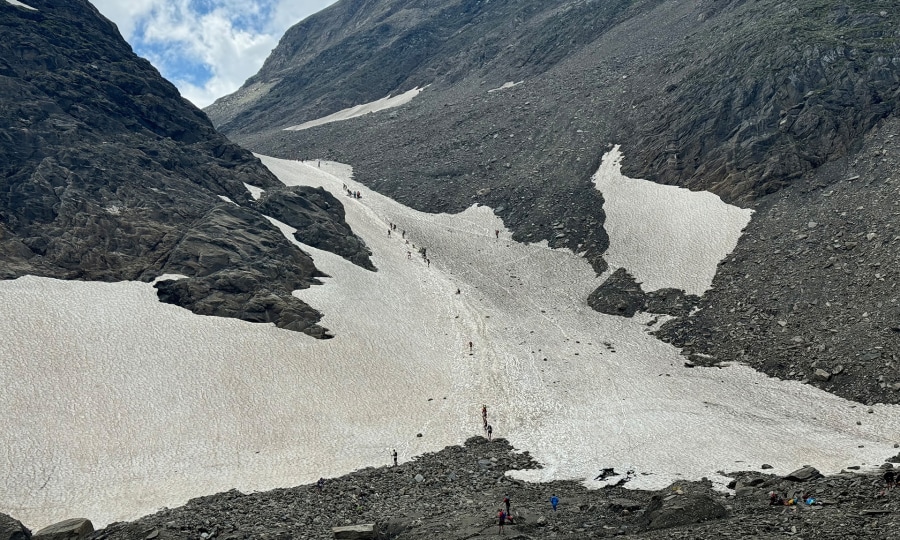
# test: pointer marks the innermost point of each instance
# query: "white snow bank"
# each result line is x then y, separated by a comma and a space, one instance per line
387, 102
506, 85
228, 199
149, 404
255, 192
665, 236
168, 277
20, 4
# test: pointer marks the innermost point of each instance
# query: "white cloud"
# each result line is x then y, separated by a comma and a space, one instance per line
206, 48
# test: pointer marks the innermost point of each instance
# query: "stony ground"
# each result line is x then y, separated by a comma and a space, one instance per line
456, 493
810, 292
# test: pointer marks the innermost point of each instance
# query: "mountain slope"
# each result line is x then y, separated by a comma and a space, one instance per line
106, 173
754, 101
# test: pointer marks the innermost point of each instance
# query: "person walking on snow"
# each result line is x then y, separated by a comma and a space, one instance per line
497, 233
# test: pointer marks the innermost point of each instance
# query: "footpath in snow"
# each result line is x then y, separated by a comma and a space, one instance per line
116, 404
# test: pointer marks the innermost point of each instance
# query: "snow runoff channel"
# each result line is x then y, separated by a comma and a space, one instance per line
115, 404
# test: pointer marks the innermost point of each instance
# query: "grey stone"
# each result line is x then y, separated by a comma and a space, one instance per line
804, 474
664, 512
364, 531
70, 529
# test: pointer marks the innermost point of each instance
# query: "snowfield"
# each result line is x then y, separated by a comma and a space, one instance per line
20, 4
665, 236
387, 102
115, 404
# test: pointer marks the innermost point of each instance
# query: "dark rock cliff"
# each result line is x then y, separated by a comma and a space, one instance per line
106, 173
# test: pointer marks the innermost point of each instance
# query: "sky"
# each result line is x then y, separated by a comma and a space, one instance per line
207, 48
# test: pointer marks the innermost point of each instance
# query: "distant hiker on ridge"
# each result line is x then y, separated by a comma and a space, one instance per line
497, 233
490, 431
394, 455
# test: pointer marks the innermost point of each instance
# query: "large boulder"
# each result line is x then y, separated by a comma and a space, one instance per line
365, 531
675, 510
12, 529
70, 529
804, 474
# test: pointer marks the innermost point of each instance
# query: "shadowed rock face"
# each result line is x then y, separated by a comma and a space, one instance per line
106, 173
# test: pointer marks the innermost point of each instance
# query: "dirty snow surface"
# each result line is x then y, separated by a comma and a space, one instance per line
115, 404
387, 102
665, 236
20, 4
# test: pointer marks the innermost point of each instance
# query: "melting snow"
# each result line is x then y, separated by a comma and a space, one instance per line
20, 4
506, 85
255, 192
228, 199
149, 404
665, 236
359, 110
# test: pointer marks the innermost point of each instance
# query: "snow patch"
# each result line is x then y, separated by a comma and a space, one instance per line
387, 102
20, 4
228, 199
665, 236
168, 277
255, 192
506, 85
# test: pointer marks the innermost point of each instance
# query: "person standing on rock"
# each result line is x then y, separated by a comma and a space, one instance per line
490, 431
502, 517
394, 455
506, 502
554, 501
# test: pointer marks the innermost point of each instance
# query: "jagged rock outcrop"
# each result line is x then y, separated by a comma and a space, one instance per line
622, 295
106, 173
12, 529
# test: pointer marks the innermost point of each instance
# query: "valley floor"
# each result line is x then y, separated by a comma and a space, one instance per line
150, 405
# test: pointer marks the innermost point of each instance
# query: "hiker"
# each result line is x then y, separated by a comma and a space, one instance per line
554, 500
506, 502
490, 431
497, 233
470, 346
457, 291
502, 517
409, 255
889, 479
320, 484
394, 455
484, 412
389, 233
